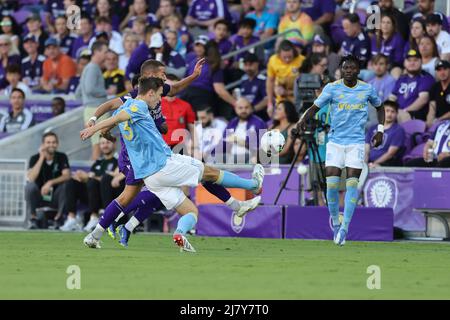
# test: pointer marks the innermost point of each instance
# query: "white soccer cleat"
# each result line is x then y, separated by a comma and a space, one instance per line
258, 175
182, 242
90, 242
247, 206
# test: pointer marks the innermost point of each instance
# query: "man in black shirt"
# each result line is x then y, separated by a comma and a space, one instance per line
94, 188
440, 94
47, 174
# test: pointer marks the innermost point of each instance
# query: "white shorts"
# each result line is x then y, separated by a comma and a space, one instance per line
341, 156
178, 172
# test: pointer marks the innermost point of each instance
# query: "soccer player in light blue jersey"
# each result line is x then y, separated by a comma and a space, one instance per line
348, 99
163, 172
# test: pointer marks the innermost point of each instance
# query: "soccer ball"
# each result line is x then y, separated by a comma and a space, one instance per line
272, 142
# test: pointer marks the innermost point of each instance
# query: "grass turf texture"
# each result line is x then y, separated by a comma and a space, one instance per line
33, 266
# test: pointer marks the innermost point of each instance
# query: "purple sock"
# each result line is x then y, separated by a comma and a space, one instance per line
112, 211
217, 190
149, 204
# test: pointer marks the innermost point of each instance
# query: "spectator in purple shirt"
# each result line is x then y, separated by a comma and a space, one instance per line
321, 11
390, 151
32, 63
401, 21
417, 31
203, 90
63, 35
221, 33
139, 8
139, 55
82, 62
184, 38
205, 13
103, 9
412, 89
160, 50
9, 54
53, 9
240, 136
356, 41
85, 35
390, 43
383, 82
253, 86
245, 37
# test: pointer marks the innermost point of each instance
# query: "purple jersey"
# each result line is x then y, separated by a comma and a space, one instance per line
317, 8
392, 48
79, 45
204, 10
124, 160
238, 43
32, 71
392, 137
206, 79
358, 46
254, 90
66, 44
407, 90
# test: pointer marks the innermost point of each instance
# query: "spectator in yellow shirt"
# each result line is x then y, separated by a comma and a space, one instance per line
282, 70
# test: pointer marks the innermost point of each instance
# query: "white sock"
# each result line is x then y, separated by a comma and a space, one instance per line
131, 224
119, 216
98, 232
233, 204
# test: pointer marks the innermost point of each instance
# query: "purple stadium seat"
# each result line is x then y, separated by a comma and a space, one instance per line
413, 129
416, 152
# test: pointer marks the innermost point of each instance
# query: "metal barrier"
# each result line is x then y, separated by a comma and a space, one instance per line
12, 191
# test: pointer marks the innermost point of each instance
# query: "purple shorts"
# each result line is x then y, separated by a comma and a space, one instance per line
128, 171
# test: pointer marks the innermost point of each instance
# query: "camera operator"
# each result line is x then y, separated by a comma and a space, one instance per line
307, 85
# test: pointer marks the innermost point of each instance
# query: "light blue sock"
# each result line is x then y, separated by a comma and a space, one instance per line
230, 180
351, 200
186, 223
333, 198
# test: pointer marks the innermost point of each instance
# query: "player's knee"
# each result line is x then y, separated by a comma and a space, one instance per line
210, 174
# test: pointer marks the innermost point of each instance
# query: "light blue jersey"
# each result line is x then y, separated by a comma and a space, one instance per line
349, 110
147, 150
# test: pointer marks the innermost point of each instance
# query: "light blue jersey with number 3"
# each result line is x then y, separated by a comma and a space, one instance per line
349, 110
146, 148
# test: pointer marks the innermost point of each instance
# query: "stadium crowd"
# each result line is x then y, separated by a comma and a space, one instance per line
406, 58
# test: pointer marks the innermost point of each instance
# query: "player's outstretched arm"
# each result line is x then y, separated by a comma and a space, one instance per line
89, 132
105, 107
184, 83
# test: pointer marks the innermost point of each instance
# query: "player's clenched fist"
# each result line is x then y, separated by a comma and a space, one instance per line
377, 139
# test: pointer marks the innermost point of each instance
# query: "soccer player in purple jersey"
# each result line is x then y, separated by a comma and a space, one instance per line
132, 198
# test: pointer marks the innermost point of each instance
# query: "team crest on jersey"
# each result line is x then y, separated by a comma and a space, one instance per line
381, 192
237, 223
134, 108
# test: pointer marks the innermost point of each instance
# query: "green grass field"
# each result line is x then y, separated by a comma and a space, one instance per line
33, 266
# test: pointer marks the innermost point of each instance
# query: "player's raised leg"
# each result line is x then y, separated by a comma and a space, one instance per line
240, 207
230, 180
